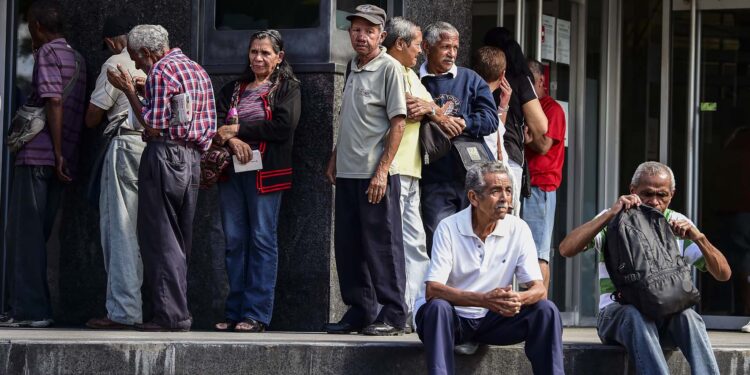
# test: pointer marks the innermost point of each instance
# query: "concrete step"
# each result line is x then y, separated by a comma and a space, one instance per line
67, 351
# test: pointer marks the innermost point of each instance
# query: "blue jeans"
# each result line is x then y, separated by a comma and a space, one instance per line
250, 220
643, 338
118, 217
539, 212
440, 200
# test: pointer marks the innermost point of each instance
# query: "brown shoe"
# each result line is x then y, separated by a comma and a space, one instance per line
153, 327
106, 323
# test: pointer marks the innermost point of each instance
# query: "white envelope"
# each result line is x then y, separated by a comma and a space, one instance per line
253, 165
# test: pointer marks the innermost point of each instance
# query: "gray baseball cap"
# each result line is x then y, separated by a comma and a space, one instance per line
371, 13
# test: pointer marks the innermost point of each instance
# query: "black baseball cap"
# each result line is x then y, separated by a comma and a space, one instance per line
116, 26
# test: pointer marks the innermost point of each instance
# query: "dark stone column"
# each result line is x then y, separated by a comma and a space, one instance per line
455, 12
307, 293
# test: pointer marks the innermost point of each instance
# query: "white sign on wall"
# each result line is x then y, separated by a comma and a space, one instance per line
548, 38
563, 42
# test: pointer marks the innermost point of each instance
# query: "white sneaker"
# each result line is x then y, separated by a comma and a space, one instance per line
41, 323
746, 328
467, 348
8, 321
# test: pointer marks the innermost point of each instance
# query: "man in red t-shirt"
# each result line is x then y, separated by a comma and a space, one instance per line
546, 173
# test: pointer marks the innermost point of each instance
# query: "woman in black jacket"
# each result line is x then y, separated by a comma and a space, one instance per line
261, 110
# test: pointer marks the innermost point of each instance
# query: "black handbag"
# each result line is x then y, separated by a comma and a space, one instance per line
433, 142
469, 151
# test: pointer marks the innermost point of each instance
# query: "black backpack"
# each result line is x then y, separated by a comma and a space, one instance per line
645, 265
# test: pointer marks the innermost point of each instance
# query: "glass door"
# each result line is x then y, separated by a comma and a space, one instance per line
710, 141
723, 157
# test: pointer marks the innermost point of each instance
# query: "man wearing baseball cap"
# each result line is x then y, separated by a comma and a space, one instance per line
368, 238
118, 190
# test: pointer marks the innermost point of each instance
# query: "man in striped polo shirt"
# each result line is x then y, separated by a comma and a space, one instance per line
652, 184
43, 166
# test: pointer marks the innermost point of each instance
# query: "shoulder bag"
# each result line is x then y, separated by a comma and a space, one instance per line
215, 161
469, 151
29, 121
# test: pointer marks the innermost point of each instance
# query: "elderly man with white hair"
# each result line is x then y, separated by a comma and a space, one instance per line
404, 43
475, 255
368, 237
653, 185
470, 110
179, 120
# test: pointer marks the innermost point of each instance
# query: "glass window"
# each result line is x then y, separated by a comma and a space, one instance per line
278, 14
641, 85
24, 56
345, 8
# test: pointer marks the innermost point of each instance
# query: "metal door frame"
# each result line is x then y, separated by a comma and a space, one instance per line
7, 75
696, 8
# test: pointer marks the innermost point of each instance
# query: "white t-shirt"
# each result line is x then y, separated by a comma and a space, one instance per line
491, 141
110, 99
461, 260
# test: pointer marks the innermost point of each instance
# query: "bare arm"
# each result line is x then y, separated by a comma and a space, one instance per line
331, 168
120, 79
379, 181
503, 301
534, 294
94, 116
577, 240
716, 263
537, 123
54, 110
453, 295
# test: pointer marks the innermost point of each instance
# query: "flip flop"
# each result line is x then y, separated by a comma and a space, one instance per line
226, 326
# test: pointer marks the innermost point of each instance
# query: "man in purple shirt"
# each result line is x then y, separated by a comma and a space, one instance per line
179, 120
42, 166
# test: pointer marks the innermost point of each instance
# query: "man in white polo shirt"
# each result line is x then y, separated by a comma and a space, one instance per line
475, 254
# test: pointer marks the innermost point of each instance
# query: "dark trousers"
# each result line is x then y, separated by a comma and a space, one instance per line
539, 325
34, 200
168, 192
440, 200
370, 253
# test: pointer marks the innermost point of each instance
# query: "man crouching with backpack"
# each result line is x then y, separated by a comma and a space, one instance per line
653, 185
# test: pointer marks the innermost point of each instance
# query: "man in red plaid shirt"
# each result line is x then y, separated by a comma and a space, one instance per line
179, 118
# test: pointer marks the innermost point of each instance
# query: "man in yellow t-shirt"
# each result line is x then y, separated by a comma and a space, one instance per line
403, 40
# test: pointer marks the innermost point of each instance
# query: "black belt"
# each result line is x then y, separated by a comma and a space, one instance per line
122, 131
179, 142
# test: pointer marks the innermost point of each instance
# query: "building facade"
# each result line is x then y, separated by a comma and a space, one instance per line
665, 80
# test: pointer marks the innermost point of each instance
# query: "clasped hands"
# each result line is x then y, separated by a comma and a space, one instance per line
121, 80
417, 108
503, 301
227, 135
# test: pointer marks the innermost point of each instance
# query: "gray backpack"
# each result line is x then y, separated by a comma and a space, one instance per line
645, 264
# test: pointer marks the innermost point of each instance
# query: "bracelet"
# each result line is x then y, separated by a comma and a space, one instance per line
501, 109
433, 110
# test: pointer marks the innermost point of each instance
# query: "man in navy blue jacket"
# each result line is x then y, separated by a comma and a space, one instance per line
470, 110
